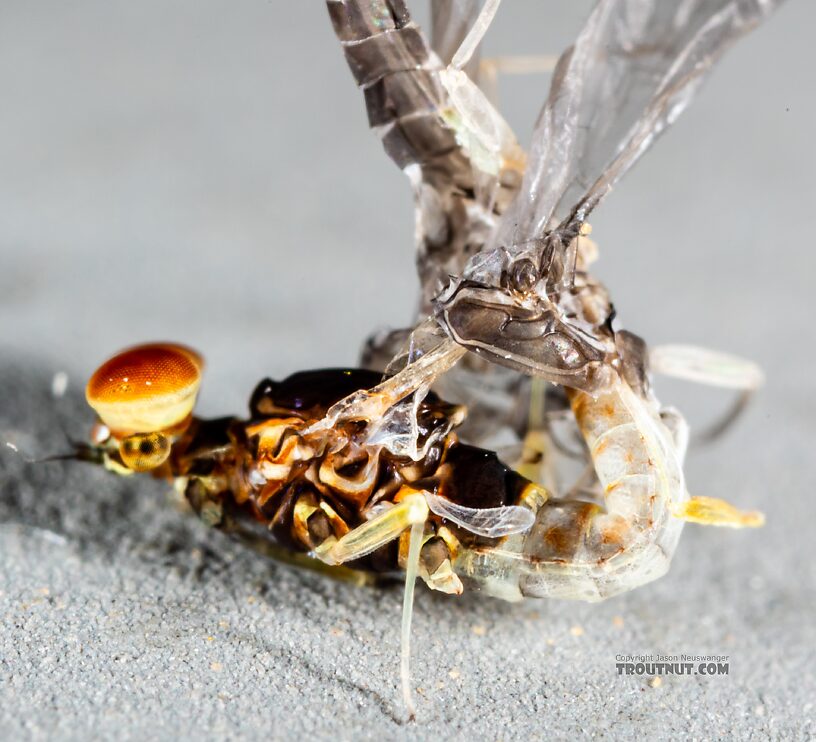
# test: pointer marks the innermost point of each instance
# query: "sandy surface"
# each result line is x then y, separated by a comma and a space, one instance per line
206, 175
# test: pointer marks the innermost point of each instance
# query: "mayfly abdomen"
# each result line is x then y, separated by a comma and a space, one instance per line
583, 550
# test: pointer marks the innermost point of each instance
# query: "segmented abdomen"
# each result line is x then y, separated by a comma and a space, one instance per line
583, 550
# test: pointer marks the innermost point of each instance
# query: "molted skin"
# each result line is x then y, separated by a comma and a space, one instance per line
145, 389
560, 334
415, 105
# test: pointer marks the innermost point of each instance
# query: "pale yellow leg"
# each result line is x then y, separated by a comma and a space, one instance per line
370, 536
537, 459
411, 571
411, 511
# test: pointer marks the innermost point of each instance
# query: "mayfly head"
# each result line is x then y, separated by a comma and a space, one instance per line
524, 309
144, 398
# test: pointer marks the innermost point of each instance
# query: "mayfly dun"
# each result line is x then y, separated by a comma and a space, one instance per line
365, 472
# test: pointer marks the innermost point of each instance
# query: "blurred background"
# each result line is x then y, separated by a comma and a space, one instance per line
203, 172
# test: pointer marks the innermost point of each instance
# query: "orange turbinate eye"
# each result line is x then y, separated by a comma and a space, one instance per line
146, 389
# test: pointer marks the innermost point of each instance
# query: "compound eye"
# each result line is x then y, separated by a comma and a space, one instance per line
524, 275
146, 389
144, 451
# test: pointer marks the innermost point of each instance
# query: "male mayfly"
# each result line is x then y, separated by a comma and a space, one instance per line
368, 472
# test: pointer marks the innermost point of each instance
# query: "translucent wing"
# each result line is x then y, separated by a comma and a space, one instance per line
633, 69
450, 22
488, 522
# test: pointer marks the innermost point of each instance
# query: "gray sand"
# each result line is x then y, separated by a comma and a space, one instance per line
205, 174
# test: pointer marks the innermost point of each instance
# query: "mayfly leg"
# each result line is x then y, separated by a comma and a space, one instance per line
411, 572
409, 513
470, 43
711, 368
537, 461
491, 67
488, 69
380, 530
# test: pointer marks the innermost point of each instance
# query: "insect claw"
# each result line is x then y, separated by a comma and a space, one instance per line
444, 579
324, 551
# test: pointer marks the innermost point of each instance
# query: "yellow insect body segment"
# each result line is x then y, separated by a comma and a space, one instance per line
146, 389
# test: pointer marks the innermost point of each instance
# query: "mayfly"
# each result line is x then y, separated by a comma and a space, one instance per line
369, 472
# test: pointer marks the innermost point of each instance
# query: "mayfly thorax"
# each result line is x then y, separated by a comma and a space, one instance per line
372, 472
